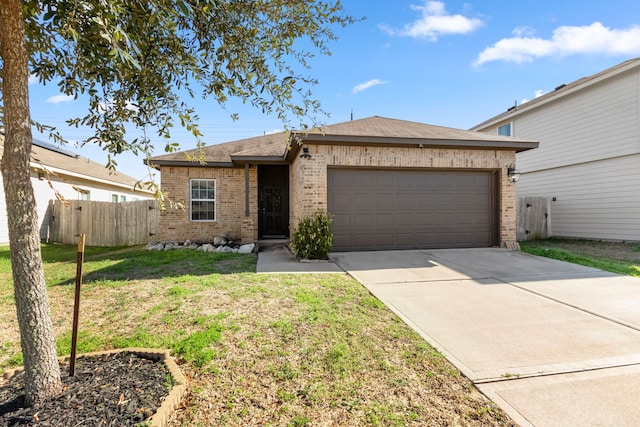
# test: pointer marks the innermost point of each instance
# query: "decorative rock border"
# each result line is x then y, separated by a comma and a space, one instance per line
173, 399
226, 247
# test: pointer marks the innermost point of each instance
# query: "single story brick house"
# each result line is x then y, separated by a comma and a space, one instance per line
389, 184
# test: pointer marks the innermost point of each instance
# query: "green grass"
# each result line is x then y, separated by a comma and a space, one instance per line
281, 349
549, 249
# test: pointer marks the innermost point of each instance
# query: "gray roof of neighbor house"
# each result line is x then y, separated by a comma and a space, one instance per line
53, 158
559, 92
281, 147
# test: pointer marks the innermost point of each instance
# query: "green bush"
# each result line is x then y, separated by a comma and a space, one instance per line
313, 238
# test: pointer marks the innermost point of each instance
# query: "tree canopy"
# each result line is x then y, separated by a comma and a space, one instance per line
135, 60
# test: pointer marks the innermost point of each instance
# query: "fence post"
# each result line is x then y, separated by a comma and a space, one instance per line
76, 306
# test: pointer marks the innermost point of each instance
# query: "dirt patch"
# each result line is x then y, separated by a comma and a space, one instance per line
121, 389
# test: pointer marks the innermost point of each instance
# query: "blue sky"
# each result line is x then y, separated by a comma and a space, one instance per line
447, 63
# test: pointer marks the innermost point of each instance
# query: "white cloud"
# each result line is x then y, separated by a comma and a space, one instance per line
436, 22
60, 98
537, 94
33, 79
523, 31
566, 40
131, 106
108, 105
367, 85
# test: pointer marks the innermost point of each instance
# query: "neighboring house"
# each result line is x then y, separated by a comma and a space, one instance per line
54, 169
390, 184
588, 162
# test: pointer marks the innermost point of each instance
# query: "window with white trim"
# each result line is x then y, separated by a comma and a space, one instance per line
203, 199
505, 130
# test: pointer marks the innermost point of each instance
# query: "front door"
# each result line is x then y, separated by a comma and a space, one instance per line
273, 220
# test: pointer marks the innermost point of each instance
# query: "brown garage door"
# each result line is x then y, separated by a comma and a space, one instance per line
412, 209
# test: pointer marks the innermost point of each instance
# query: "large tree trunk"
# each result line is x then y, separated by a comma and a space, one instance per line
32, 303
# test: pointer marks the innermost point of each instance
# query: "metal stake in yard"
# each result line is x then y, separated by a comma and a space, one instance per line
76, 306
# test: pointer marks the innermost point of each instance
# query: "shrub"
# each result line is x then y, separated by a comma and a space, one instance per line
313, 237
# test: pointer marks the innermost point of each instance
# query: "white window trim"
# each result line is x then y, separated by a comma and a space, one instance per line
215, 202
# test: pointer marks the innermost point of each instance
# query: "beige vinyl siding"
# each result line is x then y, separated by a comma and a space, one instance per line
598, 200
599, 122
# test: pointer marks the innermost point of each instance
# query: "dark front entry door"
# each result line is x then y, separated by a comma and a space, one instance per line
273, 184
275, 218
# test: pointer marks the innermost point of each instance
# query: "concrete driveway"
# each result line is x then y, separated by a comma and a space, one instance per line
553, 343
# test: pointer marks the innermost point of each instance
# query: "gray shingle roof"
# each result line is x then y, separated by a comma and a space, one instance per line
372, 130
382, 127
78, 165
48, 156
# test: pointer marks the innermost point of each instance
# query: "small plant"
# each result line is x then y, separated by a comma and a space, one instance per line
313, 237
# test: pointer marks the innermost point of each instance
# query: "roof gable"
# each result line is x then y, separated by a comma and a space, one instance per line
559, 92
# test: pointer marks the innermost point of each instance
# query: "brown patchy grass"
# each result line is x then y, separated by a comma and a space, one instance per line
258, 349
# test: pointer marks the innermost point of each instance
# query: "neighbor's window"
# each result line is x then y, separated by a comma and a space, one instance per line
505, 130
203, 199
114, 198
85, 195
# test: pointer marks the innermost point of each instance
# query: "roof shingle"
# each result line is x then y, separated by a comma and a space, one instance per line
380, 129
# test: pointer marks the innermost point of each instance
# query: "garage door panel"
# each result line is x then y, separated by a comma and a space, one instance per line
425, 219
384, 220
362, 240
342, 199
404, 202
404, 209
358, 201
362, 220
405, 220
341, 221
384, 199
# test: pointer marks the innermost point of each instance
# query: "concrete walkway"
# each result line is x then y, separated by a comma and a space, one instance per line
279, 259
553, 343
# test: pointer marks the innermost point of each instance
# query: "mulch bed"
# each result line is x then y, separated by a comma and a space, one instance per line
119, 389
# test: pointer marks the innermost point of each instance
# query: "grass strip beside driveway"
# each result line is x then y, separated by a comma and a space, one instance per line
616, 257
258, 349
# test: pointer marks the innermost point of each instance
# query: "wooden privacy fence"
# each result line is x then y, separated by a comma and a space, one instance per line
533, 216
104, 223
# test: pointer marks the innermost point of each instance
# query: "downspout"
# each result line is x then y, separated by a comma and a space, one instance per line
247, 212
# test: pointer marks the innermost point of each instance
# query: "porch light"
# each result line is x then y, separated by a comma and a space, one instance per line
305, 153
513, 173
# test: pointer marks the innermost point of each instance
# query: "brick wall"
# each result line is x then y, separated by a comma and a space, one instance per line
308, 181
308, 187
230, 204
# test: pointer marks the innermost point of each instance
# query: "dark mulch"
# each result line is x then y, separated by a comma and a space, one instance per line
121, 389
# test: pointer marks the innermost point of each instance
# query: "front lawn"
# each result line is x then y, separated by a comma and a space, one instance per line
257, 349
